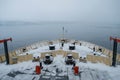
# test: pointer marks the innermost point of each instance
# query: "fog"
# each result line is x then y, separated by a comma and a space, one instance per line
91, 11
29, 21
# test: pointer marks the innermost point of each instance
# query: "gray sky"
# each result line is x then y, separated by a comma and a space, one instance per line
61, 10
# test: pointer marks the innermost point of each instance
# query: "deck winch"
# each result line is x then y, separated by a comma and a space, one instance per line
69, 59
51, 47
72, 47
48, 59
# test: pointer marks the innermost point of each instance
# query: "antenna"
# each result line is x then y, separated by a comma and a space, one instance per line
63, 32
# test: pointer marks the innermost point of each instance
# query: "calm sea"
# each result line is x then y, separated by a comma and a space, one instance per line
27, 33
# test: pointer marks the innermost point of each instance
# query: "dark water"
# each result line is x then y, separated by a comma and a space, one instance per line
25, 34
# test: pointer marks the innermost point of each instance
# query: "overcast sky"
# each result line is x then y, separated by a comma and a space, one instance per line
61, 10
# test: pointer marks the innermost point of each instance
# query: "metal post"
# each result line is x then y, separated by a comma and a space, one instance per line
67, 72
114, 53
6, 52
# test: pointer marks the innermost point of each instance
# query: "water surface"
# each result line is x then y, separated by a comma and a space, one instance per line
25, 34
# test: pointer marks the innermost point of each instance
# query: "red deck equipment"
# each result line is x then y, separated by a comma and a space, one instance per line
38, 69
76, 70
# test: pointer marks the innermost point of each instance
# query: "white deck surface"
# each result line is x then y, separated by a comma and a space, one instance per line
89, 71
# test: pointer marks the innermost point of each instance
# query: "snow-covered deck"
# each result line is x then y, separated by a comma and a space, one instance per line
83, 51
88, 71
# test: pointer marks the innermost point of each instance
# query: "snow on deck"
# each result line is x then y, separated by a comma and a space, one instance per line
89, 71
81, 50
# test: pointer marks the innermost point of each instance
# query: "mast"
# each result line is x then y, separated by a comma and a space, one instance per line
63, 32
